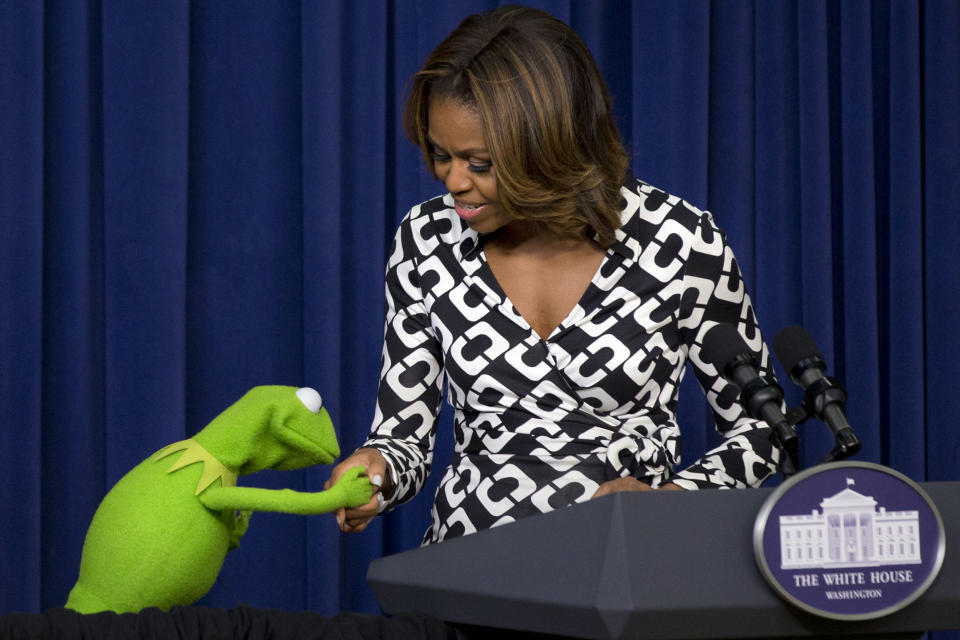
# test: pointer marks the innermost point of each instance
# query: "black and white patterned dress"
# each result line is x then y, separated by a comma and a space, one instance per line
540, 424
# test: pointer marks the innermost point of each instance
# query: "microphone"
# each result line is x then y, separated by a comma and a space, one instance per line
823, 397
726, 350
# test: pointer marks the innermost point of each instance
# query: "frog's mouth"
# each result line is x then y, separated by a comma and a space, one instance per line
307, 449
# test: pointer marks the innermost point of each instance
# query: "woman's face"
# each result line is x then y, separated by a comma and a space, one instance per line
461, 160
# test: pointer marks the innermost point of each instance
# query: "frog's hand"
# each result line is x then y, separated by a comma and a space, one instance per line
241, 521
352, 490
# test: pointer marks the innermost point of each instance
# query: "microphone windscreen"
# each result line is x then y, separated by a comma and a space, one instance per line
792, 345
721, 345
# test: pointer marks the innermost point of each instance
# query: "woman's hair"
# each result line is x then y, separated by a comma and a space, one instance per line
545, 113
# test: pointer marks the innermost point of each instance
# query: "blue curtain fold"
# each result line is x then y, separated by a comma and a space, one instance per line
813, 304
21, 298
941, 228
197, 198
71, 384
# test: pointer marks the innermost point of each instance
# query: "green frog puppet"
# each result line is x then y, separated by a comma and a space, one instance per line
160, 535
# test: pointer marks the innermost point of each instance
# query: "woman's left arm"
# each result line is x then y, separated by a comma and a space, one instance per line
714, 292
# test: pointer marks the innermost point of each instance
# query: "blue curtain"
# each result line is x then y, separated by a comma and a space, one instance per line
198, 197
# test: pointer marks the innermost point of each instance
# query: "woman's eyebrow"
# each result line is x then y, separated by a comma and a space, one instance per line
463, 153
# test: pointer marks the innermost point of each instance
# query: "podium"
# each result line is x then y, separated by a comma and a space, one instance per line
668, 565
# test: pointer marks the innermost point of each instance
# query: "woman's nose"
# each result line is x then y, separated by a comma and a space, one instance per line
458, 178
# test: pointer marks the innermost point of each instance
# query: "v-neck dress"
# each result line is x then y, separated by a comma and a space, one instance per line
541, 423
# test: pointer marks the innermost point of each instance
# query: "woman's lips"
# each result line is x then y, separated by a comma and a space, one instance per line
468, 211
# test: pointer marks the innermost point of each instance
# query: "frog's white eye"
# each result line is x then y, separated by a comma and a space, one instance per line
310, 399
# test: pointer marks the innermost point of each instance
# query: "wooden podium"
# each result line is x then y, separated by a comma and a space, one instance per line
671, 565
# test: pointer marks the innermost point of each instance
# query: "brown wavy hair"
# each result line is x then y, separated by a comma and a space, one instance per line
545, 113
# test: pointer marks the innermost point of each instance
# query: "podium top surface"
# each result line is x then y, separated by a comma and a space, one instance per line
638, 565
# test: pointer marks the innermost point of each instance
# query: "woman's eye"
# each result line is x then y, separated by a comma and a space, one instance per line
439, 156
480, 168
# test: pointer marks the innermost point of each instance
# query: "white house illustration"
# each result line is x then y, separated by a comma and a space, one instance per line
849, 532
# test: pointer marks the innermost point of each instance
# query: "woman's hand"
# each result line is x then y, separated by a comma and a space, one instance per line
630, 484
356, 519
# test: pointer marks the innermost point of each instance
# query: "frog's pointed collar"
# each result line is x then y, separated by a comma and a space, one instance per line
194, 452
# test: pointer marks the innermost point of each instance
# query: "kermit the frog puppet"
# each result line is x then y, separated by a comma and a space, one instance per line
160, 535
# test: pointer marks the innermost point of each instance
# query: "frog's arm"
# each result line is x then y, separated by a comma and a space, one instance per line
352, 490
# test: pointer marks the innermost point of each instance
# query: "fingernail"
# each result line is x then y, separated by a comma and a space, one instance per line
377, 480
339, 521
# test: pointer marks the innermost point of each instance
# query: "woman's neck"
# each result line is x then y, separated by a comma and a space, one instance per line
530, 237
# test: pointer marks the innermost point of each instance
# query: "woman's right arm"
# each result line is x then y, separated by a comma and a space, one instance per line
399, 449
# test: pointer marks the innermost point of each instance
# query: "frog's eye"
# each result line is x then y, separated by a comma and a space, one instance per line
310, 399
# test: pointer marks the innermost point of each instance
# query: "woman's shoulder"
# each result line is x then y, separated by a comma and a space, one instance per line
432, 225
648, 212
643, 201
655, 220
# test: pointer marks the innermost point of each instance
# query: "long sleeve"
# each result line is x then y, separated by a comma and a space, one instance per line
714, 292
410, 390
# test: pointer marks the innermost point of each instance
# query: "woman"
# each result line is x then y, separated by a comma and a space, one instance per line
560, 300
